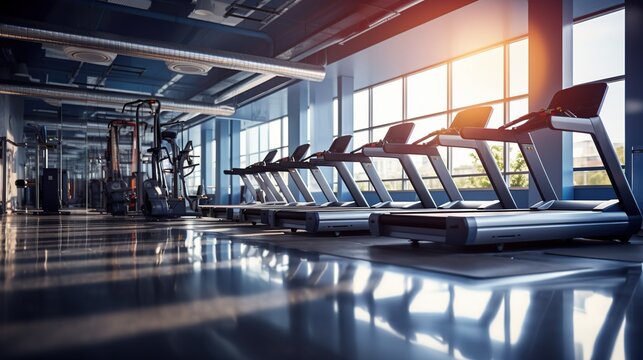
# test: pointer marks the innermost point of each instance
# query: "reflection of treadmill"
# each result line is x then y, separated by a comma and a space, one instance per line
575, 109
394, 146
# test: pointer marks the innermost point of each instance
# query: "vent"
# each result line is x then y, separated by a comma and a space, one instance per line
91, 56
217, 16
188, 68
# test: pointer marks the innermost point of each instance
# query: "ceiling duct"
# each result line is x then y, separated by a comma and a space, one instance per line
223, 59
106, 98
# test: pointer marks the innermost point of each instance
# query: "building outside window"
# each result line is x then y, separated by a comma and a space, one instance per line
599, 55
257, 140
432, 97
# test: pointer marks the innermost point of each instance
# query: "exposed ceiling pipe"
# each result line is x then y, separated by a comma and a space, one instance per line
243, 87
111, 99
223, 59
263, 78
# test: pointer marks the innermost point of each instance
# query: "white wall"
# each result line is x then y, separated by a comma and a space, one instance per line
475, 26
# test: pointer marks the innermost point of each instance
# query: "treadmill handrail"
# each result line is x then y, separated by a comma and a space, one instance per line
430, 150
346, 157
504, 135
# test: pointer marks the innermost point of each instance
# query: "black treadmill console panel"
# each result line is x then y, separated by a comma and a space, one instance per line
270, 156
399, 134
476, 117
340, 144
300, 152
583, 101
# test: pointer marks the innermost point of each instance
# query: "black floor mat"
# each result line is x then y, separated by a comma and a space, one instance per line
619, 252
432, 257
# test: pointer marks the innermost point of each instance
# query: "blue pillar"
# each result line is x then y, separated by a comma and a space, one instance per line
235, 160
223, 156
550, 70
634, 95
207, 159
321, 122
345, 89
298, 125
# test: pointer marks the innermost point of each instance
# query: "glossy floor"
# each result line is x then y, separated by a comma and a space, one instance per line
96, 287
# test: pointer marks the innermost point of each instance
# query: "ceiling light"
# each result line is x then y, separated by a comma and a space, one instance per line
204, 8
92, 56
188, 68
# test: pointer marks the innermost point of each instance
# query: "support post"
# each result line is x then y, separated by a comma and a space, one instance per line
345, 89
298, 123
222, 181
634, 96
3, 142
550, 70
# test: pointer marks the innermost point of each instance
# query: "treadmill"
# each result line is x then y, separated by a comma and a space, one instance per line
291, 165
296, 218
574, 109
323, 158
259, 171
394, 145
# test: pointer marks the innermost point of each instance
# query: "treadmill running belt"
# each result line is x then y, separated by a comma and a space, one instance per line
618, 252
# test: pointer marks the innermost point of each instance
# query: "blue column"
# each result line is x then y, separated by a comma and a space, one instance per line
321, 122
235, 160
345, 89
634, 95
223, 156
550, 70
207, 159
298, 125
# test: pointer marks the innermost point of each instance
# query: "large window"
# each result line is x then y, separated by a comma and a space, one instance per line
432, 97
599, 55
257, 140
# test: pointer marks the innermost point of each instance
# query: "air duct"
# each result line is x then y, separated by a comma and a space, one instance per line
222, 59
243, 87
107, 98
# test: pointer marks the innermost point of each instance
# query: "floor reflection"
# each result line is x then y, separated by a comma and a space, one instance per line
93, 287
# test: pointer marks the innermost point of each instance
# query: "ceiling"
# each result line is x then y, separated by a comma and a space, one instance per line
311, 31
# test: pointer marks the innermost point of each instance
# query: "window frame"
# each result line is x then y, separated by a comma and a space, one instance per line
506, 100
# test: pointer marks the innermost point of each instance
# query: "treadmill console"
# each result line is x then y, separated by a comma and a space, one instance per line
399, 134
268, 158
340, 144
476, 117
583, 101
299, 152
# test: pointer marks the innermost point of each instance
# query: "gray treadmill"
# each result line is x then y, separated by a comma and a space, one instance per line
296, 219
395, 146
574, 109
321, 159
260, 171
291, 165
